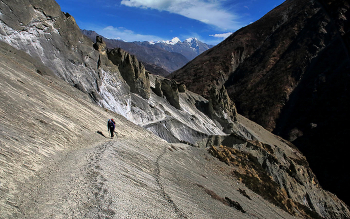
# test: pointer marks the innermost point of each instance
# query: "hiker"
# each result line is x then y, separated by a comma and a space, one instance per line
111, 127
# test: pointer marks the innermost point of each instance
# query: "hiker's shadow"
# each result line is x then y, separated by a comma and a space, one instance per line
99, 132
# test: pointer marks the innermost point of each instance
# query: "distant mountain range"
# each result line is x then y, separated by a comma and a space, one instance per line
160, 57
190, 48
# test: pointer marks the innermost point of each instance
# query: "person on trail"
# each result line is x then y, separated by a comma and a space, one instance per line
111, 127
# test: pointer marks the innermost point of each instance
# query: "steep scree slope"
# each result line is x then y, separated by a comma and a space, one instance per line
46, 33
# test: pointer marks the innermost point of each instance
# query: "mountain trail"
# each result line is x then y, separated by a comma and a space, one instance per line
79, 184
167, 196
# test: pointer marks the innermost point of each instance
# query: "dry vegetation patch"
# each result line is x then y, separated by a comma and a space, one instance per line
248, 170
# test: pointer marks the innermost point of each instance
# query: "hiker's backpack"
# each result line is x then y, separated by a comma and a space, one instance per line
110, 124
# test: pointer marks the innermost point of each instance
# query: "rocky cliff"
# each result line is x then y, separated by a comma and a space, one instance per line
288, 72
133, 72
61, 88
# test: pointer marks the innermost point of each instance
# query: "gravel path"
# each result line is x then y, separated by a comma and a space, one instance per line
124, 178
104, 181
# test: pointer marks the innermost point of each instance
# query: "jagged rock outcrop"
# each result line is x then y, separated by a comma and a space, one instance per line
171, 92
100, 45
132, 70
158, 88
221, 108
289, 72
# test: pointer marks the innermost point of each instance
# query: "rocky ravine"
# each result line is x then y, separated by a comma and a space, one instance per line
289, 72
59, 163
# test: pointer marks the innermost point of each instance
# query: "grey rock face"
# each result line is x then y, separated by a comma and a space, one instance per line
171, 92
132, 70
40, 29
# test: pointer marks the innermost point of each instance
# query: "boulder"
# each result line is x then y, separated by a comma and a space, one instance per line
181, 87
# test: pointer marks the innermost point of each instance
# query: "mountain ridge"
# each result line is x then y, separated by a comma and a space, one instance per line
156, 56
190, 47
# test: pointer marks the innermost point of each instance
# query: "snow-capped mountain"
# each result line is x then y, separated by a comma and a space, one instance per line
170, 42
190, 47
159, 57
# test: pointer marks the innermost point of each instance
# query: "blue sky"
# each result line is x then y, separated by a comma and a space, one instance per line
210, 21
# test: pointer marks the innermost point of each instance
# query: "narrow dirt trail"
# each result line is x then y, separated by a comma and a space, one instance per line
166, 196
131, 177
108, 180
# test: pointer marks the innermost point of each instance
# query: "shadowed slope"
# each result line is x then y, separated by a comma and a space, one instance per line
289, 72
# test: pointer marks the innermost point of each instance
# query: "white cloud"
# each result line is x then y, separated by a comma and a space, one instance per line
207, 11
221, 35
124, 34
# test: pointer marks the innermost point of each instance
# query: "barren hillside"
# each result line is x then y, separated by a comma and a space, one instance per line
176, 154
